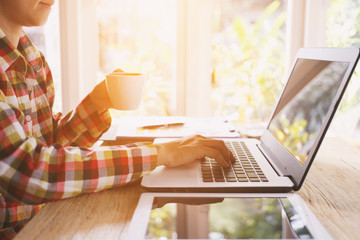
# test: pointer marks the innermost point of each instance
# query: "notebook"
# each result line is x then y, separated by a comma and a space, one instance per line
141, 129
280, 160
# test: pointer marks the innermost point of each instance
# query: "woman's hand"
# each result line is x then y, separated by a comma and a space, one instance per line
99, 96
185, 150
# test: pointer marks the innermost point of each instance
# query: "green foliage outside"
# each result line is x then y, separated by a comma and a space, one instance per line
248, 69
343, 30
248, 63
248, 218
294, 136
162, 222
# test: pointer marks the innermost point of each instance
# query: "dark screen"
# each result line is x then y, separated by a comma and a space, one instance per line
305, 104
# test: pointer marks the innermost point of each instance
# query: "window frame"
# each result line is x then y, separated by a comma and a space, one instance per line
79, 50
80, 45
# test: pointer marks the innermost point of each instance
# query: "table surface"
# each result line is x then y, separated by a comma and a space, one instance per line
330, 190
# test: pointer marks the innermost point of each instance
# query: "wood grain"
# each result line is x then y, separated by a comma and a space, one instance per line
103, 215
331, 190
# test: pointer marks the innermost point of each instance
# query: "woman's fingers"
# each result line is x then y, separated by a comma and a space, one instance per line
216, 144
217, 155
192, 148
220, 146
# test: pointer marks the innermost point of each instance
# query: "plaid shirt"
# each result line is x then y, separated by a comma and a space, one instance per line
43, 157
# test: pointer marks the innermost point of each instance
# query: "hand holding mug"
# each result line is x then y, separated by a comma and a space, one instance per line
120, 90
125, 89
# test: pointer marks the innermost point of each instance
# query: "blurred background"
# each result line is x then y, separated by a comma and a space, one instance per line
204, 58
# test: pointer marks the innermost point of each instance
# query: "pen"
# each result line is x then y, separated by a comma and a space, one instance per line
165, 125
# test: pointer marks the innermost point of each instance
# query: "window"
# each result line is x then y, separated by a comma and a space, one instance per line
47, 39
141, 36
248, 58
206, 57
342, 30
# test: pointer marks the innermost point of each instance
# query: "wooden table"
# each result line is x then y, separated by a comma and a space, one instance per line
331, 190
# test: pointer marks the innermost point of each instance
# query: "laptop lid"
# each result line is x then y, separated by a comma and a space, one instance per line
306, 107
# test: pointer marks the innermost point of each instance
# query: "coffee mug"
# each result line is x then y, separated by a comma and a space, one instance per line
125, 89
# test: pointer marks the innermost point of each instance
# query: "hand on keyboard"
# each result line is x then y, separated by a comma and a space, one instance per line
244, 169
185, 150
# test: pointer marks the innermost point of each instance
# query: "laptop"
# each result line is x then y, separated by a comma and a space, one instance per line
280, 160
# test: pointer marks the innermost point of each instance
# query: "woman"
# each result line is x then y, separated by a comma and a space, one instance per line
45, 157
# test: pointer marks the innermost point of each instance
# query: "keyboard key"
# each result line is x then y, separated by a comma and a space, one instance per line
217, 171
208, 180
231, 180
207, 176
205, 171
238, 167
228, 170
243, 180
230, 175
251, 174
219, 180
241, 175
254, 179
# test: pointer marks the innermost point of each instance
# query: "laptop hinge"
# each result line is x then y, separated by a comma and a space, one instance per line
272, 164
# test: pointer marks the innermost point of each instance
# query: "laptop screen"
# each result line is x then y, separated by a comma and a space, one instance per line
305, 104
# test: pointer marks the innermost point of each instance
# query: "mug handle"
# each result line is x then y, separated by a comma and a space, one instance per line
118, 70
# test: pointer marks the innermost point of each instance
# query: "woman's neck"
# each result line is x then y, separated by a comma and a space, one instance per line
11, 30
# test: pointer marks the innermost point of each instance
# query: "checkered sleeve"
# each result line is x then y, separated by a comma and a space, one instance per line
83, 126
32, 173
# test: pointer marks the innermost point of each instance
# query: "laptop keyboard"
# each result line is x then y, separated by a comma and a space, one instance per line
244, 169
